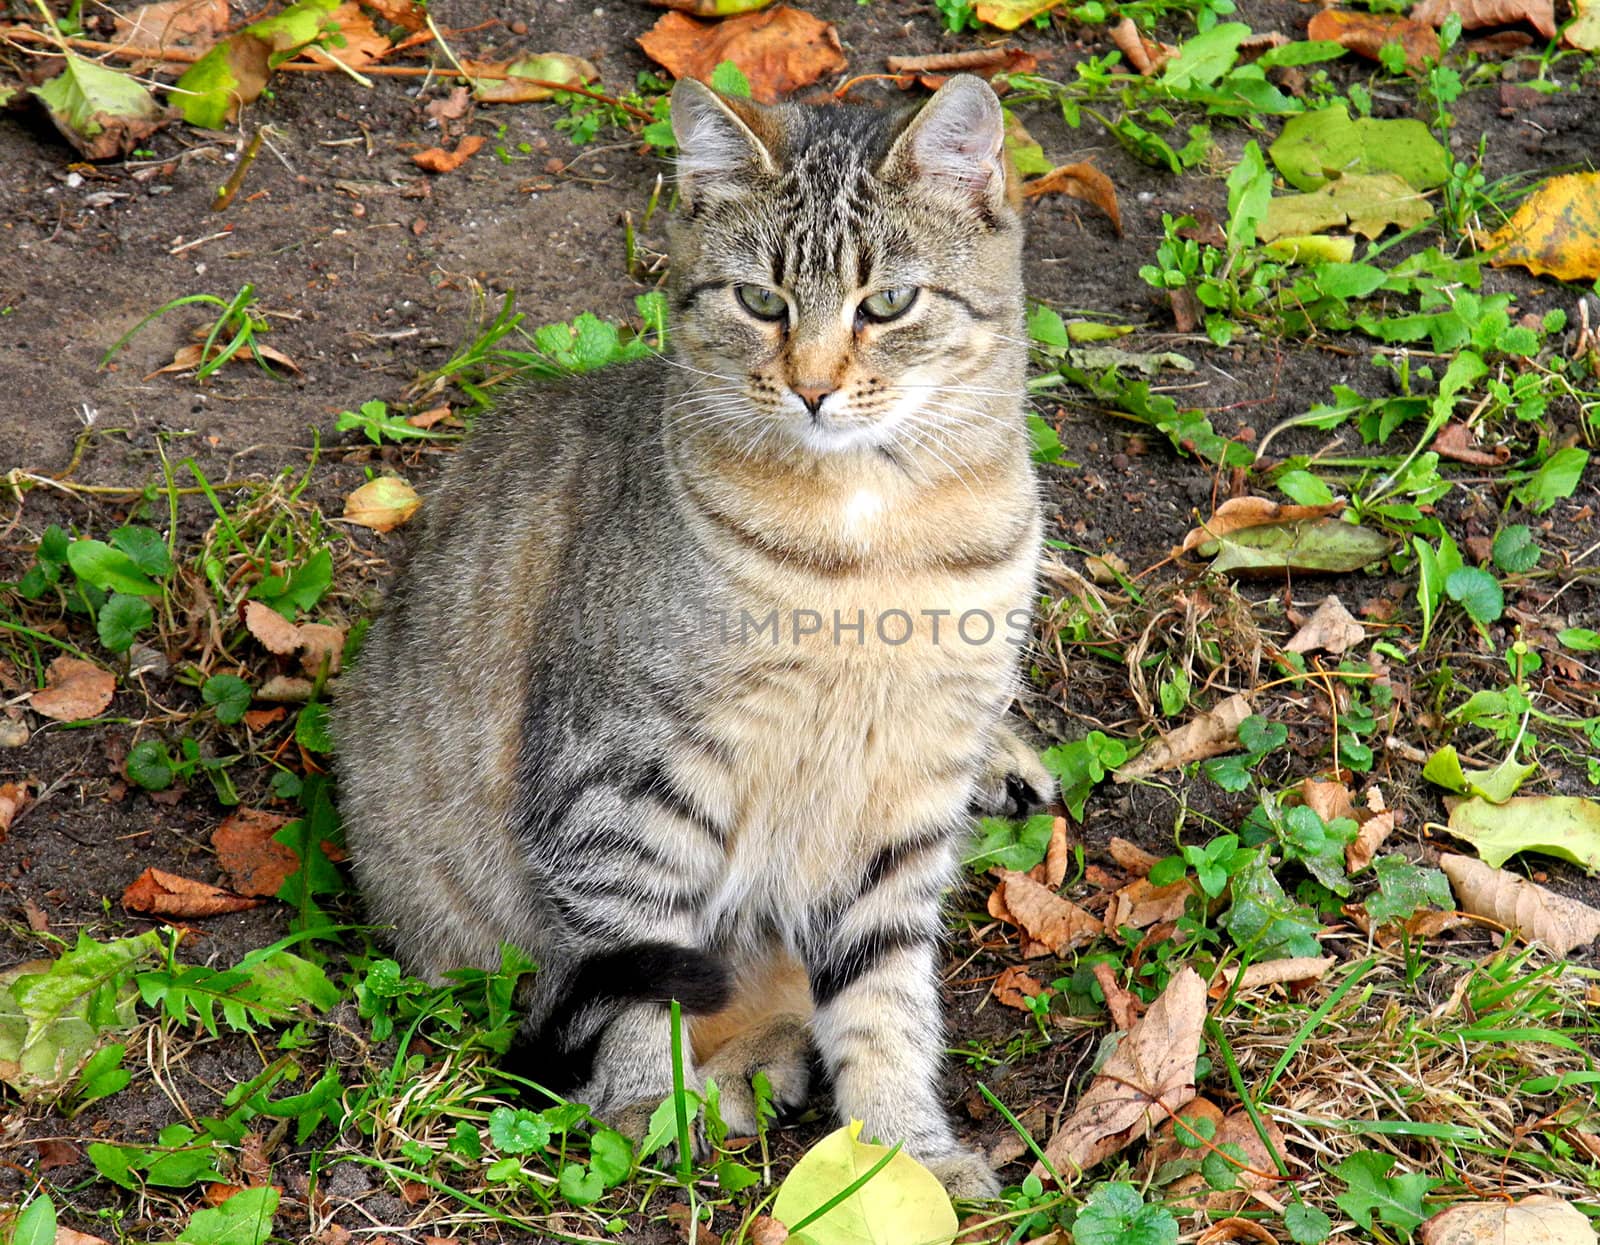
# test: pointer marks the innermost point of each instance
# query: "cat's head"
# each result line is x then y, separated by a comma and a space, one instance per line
846, 276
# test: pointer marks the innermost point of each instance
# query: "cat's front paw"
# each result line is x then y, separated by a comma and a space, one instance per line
781, 1050
1013, 783
965, 1174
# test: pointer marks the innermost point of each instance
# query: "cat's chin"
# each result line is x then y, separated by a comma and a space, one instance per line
825, 439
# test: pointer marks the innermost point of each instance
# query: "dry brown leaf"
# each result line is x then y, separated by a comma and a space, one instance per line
166, 894
254, 1162
1536, 1220
275, 632
1139, 904
71, 1236
1015, 986
778, 51
1476, 14
1052, 870
1131, 857
1079, 181
1225, 1231
688, 1228
438, 160
1054, 924
289, 689
1328, 800
253, 863
1432, 924
1238, 513
765, 1230
13, 730
1213, 733
451, 107
1125, 1008
1167, 1142
934, 70
13, 797
1148, 1077
187, 357
382, 504
193, 24
1365, 33
1556, 231
35, 916
1560, 923
260, 719
1274, 973
54, 1153
407, 14
1456, 441
1145, 55
1332, 628
1235, 1129
363, 45
74, 690
429, 417
1364, 847
321, 645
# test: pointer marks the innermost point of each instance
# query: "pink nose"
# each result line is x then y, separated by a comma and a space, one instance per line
812, 395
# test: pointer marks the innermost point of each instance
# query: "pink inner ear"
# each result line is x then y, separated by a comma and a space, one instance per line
958, 145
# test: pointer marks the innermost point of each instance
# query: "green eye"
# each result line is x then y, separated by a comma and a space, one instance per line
762, 303
889, 304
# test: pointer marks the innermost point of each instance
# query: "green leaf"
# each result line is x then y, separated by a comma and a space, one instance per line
1304, 489
1397, 1201
149, 765
1010, 844
730, 80
903, 1201
1564, 826
1045, 326
1515, 550
1306, 1225
1368, 203
1580, 640
1556, 479
146, 548
311, 728
518, 1131
734, 1177
374, 420
120, 619
1477, 592
1206, 57
111, 570
244, 1219
1496, 785
1403, 888
1081, 765
580, 1187
1317, 145
610, 1157
102, 112
103, 1074
1249, 194
1115, 1214
36, 1225
1328, 546
229, 695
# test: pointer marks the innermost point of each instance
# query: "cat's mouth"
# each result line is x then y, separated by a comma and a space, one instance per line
825, 433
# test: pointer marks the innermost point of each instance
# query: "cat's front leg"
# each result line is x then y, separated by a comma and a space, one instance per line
1012, 782
879, 1030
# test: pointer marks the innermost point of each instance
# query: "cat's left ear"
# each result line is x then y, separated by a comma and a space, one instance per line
717, 147
957, 140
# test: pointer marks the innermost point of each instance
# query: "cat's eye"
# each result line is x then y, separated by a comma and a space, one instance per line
761, 302
888, 304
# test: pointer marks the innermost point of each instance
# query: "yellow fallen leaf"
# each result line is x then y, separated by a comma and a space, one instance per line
1583, 32
903, 1202
1009, 14
1556, 231
382, 504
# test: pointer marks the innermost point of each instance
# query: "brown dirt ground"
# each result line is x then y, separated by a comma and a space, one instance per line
366, 263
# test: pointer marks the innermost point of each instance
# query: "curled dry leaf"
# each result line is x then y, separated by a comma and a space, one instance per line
1228, 1231
1145, 55
1213, 733
1052, 925
407, 14
253, 863
1536, 1220
1328, 800
188, 357
778, 51
1457, 441
438, 160
1476, 14
765, 1230
1239, 513
71, 1236
1364, 847
1540, 915
74, 690
1274, 973
13, 798
1148, 1077
159, 893
1332, 628
382, 504
1133, 858
932, 71
1556, 231
1125, 1008
275, 632
1079, 181
1139, 905
321, 646
1052, 870
1366, 33
1015, 986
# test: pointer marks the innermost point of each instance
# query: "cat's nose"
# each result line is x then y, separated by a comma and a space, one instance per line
812, 395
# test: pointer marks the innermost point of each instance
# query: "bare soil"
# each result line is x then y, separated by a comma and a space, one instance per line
367, 265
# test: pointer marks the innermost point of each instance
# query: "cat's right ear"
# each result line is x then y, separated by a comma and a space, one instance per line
717, 149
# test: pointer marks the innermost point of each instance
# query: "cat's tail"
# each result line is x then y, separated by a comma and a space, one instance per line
559, 1053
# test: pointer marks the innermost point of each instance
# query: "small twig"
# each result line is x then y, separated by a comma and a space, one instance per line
230, 188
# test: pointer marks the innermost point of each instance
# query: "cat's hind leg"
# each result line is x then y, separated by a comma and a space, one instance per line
766, 1030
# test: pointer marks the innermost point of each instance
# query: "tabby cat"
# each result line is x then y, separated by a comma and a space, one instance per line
700, 663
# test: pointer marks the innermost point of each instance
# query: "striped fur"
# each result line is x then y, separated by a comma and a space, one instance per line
596, 719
